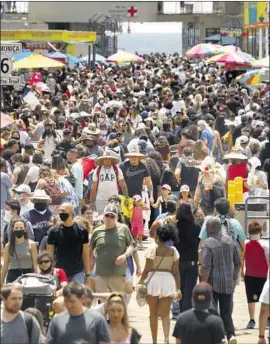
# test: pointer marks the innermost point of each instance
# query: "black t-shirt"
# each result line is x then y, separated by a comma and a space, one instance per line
188, 234
68, 243
199, 327
169, 178
134, 177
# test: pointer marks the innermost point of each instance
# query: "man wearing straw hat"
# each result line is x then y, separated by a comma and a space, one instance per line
107, 179
136, 173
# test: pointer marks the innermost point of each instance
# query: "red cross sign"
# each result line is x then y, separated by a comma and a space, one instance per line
132, 11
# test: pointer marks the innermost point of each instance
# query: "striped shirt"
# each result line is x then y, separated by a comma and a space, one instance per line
220, 256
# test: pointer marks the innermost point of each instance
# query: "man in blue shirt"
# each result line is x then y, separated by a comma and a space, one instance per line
207, 135
234, 228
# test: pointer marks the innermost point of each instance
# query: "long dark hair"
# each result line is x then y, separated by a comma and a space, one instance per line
12, 237
156, 156
154, 169
184, 213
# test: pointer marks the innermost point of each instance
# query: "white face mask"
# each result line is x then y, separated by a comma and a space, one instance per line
8, 216
102, 120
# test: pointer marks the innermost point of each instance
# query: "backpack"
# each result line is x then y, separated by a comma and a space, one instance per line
53, 190
89, 178
28, 319
226, 229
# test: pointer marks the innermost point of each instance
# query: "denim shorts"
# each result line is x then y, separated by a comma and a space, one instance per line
78, 277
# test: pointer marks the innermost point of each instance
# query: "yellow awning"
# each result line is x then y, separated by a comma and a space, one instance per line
37, 61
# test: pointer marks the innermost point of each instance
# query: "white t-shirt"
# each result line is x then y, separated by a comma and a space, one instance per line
32, 175
26, 207
77, 172
100, 308
107, 184
24, 137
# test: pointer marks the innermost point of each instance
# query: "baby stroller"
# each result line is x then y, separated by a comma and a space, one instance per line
38, 292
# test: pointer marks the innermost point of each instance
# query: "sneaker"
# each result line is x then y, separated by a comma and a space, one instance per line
232, 340
251, 325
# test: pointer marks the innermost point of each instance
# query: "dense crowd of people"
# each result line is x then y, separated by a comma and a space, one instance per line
99, 159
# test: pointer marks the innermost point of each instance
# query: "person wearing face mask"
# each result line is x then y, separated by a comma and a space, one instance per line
20, 253
12, 212
22, 193
40, 215
69, 242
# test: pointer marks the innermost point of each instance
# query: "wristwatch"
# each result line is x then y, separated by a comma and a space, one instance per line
87, 275
261, 336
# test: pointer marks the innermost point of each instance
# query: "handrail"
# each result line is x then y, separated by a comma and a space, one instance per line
254, 217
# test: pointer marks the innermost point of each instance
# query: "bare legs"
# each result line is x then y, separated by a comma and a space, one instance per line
164, 312
160, 307
153, 309
251, 310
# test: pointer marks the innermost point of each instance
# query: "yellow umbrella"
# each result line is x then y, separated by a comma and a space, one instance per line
124, 56
37, 61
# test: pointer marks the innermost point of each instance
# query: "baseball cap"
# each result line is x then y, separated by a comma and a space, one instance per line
112, 136
14, 204
23, 188
202, 296
144, 114
172, 198
111, 209
184, 188
166, 186
241, 112
137, 198
243, 139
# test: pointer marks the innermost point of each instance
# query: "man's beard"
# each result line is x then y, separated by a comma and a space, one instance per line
12, 310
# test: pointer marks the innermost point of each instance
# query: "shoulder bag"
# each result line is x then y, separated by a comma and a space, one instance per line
142, 291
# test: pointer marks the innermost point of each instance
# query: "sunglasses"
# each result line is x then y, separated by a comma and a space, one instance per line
110, 216
44, 262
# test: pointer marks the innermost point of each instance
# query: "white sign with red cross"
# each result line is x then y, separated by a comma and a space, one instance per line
132, 11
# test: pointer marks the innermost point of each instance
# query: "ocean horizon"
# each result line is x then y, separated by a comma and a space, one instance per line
145, 43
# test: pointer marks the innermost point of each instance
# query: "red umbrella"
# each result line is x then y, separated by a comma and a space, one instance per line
230, 59
5, 120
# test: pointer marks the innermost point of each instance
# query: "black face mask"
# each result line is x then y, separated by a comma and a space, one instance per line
63, 216
46, 271
171, 207
19, 234
39, 206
